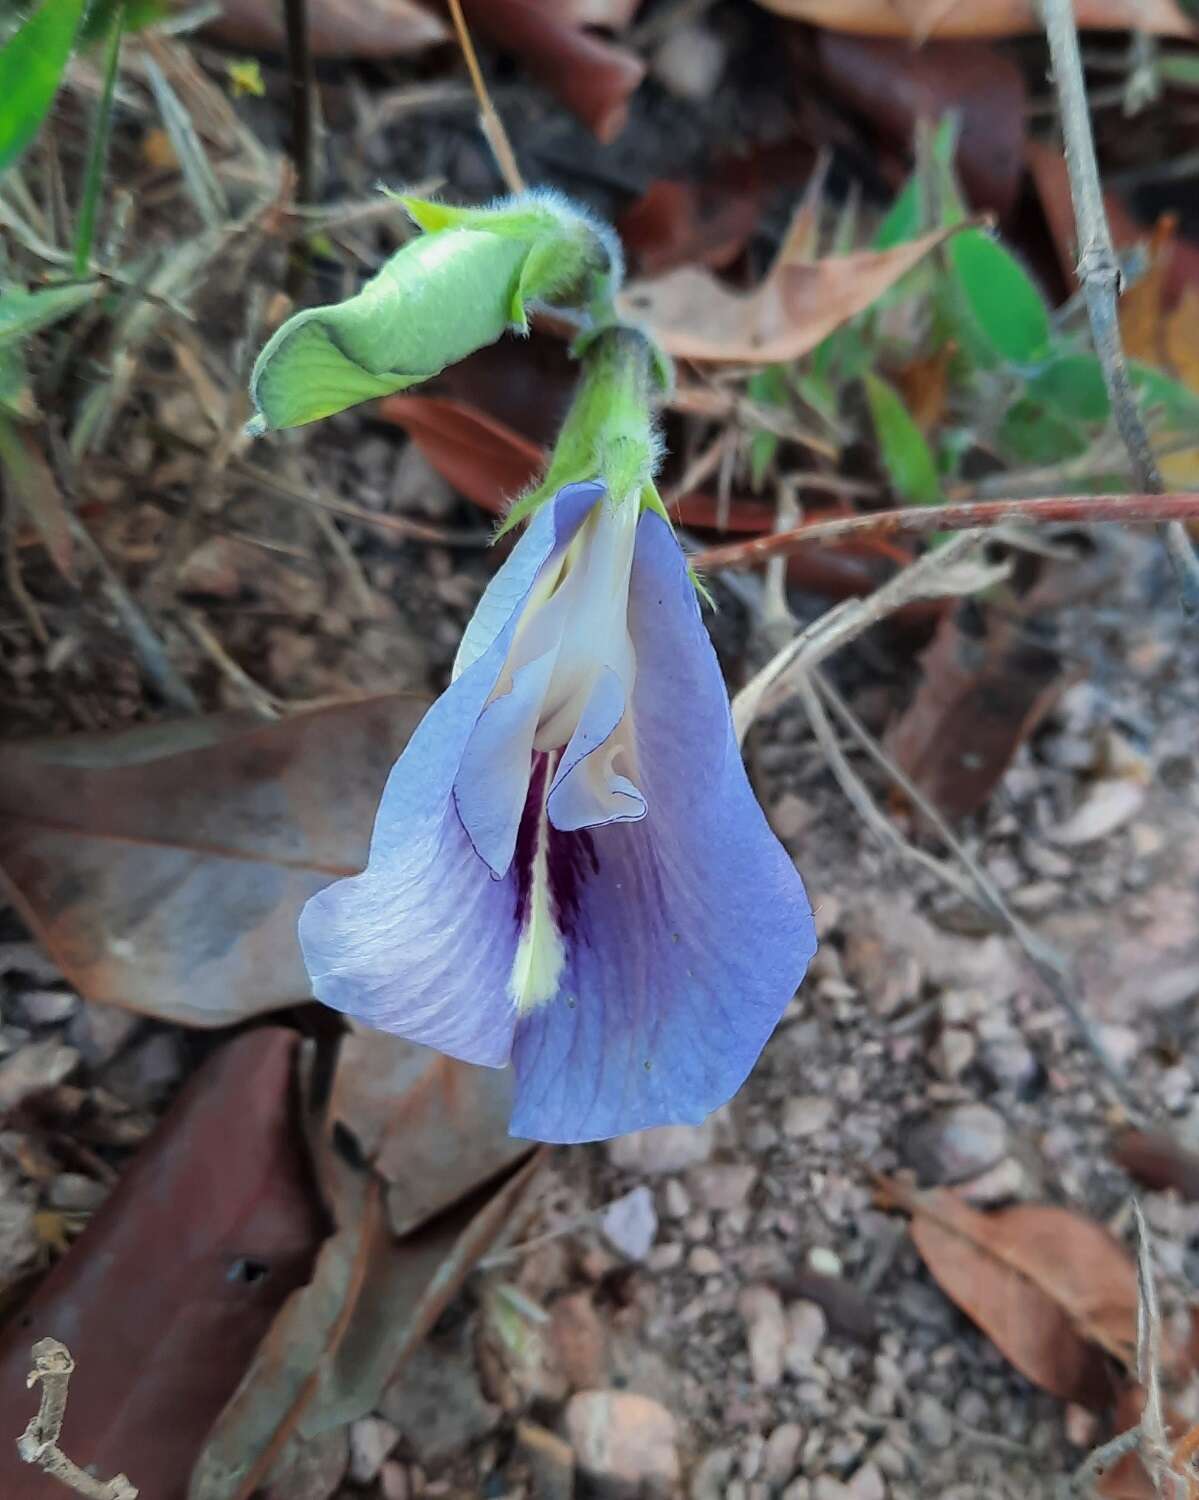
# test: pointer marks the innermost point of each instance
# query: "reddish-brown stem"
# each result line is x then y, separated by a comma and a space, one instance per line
1142, 509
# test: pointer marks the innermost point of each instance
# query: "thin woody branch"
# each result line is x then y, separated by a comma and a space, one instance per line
1099, 276
1072, 509
38, 1444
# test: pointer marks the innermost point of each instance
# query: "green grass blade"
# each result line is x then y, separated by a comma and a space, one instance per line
98, 155
31, 66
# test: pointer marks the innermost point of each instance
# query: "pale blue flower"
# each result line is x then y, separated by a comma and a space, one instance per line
569, 871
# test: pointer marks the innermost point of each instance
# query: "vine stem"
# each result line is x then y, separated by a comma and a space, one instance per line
1100, 277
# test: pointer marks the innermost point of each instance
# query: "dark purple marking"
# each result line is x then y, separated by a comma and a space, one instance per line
570, 857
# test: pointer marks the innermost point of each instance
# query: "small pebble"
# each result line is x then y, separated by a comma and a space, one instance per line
371, 1440
957, 1143
766, 1333
704, 1261
807, 1114
823, 1261
806, 1329
630, 1223
72, 1192
782, 1452
933, 1422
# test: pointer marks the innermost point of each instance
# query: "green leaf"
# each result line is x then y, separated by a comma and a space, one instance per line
139, 14
1176, 404
767, 387
1073, 385
442, 296
906, 456
425, 309
1180, 68
31, 66
1034, 434
904, 220
16, 396
98, 154
22, 313
1002, 301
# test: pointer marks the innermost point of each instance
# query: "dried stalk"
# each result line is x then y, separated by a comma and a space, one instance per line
1067, 509
302, 92
38, 1444
489, 121
940, 574
1100, 278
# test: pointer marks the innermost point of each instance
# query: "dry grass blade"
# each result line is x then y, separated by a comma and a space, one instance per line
206, 192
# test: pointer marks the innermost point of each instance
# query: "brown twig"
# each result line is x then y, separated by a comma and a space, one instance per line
1075, 509
1100, 278
489, 121
38, 1444
302, 93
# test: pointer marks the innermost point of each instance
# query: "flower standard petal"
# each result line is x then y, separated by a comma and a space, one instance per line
422, 942
687, 932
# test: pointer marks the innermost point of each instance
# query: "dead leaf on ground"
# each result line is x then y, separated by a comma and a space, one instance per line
178, 1276
337, 28
482, 457
985, 685
922, 19
709, 221
593, 78
373, 1297
431, 1127
1055, 1292
164, 868
896, 86
695, 316
1159, 1162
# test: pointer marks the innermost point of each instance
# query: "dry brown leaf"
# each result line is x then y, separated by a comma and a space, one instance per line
431, 1127
896, 85
1180, 335
179, 1275
695, 316
1055, 1292
373, 1296
923, 19
338, 28
1157, 1160
482, 457
164, 868
985, 684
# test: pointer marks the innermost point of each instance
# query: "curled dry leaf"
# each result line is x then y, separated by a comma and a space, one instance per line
922, 19
1055, 1292
373, 1296
164, 868
178, 1276
695, 316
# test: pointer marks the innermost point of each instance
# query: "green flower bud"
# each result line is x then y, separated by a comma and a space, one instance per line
452, 290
